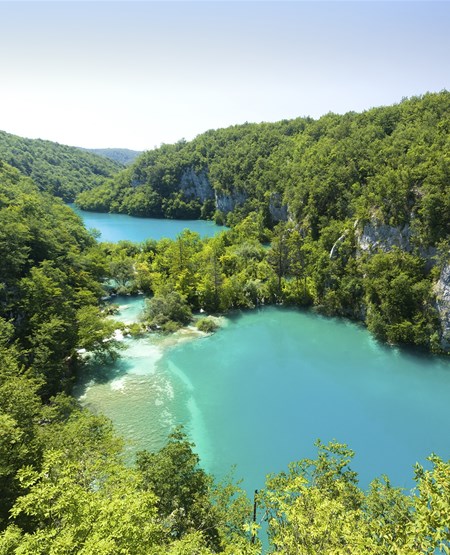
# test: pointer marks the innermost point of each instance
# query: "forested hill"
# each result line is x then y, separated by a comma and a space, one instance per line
63, 171
181, 180
389, 164
124, 156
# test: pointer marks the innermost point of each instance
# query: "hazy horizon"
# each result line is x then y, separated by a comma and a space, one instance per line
137, 74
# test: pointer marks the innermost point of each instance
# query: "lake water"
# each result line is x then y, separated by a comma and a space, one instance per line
260, 391
118, 227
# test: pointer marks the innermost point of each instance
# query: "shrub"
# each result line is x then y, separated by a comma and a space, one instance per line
207, 325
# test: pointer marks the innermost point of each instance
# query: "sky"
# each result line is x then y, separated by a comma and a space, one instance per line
138, 74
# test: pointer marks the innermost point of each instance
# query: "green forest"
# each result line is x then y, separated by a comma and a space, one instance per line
63, 171
65, 484
123, 156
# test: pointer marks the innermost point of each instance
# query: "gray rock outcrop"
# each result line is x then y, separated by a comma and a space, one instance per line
277, 209
442, 291
196, 185
228, 202
384, 237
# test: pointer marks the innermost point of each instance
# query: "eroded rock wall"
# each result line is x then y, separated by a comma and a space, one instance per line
227, 202
442, 290
277, 209
376, 236
384, 237
196, 185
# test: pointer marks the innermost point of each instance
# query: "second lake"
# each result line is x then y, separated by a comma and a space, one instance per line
120, 227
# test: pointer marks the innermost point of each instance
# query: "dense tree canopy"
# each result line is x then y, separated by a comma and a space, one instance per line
317, 507
330, 182
123, 156
63, 171
49, 288
238, 269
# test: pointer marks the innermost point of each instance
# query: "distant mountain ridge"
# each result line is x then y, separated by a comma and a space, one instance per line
124, 156
63, 171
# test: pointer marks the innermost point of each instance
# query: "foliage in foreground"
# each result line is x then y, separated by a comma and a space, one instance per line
317, 507
82, 498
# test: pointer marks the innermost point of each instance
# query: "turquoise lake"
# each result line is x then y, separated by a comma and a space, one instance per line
260, 391
118, 227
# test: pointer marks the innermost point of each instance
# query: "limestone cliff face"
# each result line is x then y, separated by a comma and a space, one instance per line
442, 290
384, 237
228, 202
195, 185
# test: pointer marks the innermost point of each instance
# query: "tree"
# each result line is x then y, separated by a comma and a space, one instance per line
428, 529
182, 488
96, 333
167, 311
211, 278
316, 507
398, 298
121, 270
87, 506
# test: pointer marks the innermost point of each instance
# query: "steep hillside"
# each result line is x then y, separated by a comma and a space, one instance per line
390, 164
48, 278
217, 170
63, 171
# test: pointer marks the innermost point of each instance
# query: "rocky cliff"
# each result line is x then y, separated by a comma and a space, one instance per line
442, 291
227, 202
277, 209
196, 185
384, 237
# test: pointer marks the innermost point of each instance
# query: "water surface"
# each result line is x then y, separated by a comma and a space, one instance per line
260, 391
118, 227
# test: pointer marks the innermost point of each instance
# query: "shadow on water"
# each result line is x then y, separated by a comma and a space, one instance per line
98, 371
414, 354
234, 315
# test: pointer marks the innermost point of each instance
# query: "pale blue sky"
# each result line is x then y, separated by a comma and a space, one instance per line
136, 74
